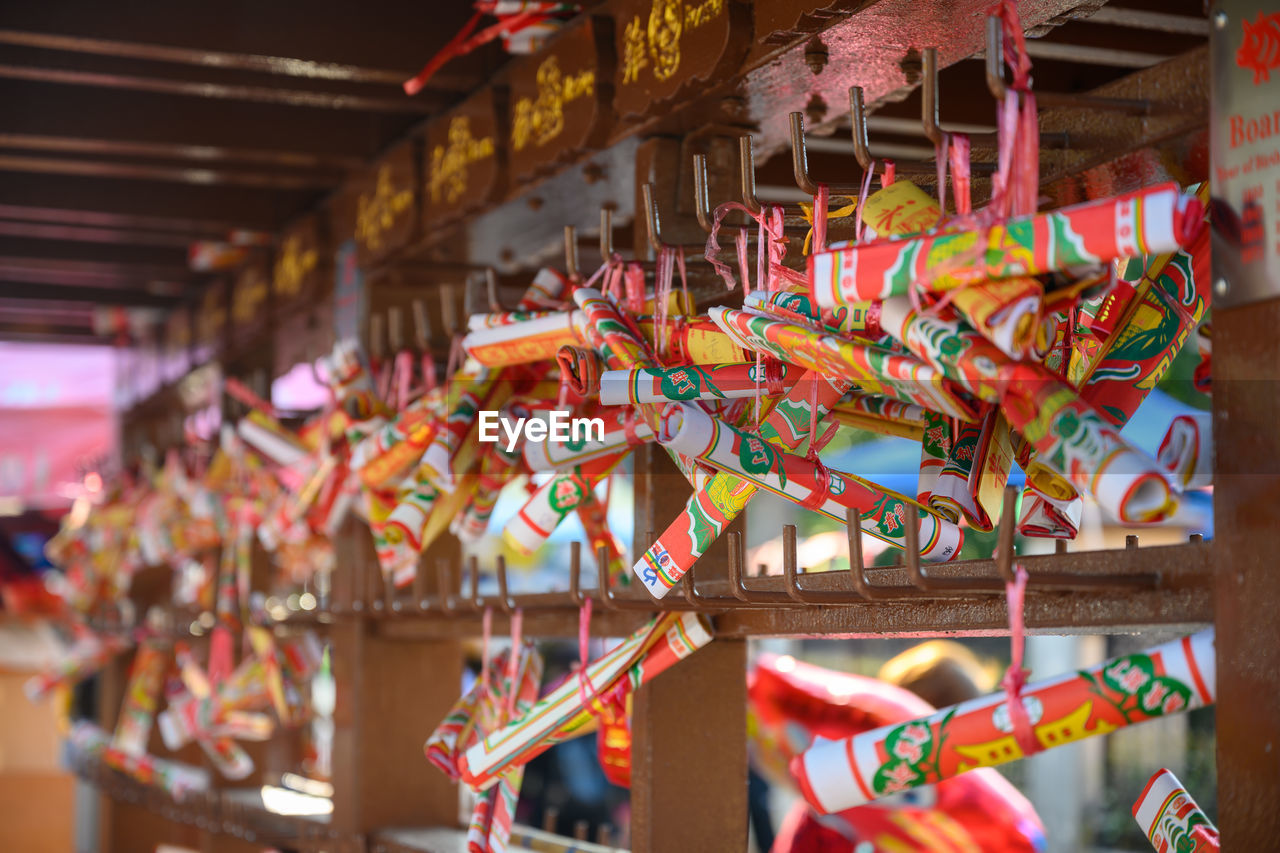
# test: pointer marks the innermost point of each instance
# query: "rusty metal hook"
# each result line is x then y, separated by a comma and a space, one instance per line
606, 234
747, 175
571, 253
800, 163
606, 592
505, 602
576, 596
701, 194
737, 578
444, 577
421, 326
791, 573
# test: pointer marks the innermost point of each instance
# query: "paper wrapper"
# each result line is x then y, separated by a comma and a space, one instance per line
675, 384
495, 472
1005, 311
552, 502
401, 542
1177, 676
971, 482
505, 318
1149, 221
935, 446
455, 446
695, 433
874, 369
392, 451
521, 341
1170, 818
861, 320
550, 455
719, 498
549, 289
881, 415
560, 715
174, 778
90, 653
224, 754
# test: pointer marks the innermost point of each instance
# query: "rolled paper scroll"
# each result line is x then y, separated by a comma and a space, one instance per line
874, 369
1005, 311
674, 384
1187, 450
862, 320
269, 437
173, 777
696, 434
495, 473
402, 533
971, 483
560, 715
935, 447
455, 446
882, 415
521, 342
224, 754
1148, 221
505, 318
1171, 819
552, 502
1177, 676
1047, 517
90, 653
549, 289
719, 498
141, 696
622, 429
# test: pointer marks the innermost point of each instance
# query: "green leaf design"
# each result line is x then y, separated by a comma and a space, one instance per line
1128, 675
1163, 695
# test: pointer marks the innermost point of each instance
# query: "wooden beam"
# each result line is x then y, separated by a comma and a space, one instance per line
97, 218
37, 292
277, 96
177, 174
114, 257
105, 274
178, 151
80, 234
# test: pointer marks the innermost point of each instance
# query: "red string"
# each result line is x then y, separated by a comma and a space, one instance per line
820, 203
461, 45
1015, 678
486, 630
890, 174
513, 660
587, 693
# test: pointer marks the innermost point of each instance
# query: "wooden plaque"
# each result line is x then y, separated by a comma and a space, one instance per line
561, 98
463, 158
250, 300
388, 206
303, 265
211, 321
177, 344
667, 46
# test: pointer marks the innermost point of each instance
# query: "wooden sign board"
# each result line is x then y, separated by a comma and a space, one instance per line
667, 46
781, 22
303, 267
561, 98
211, 321
250, 300
388, 208
463, 158
177, 344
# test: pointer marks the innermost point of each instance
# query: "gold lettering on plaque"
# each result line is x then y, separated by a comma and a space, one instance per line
449, 165
377, 213
542, 120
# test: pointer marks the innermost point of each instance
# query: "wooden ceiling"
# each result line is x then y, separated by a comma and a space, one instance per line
131, 129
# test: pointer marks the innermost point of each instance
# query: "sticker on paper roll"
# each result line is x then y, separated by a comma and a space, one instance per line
690, 431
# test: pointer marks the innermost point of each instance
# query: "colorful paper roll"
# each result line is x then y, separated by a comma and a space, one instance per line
521, 341
1148, 221
1122, 691
1171, 819
173, 777
90, 653
695, 433
623, 428
687, 382
874, 369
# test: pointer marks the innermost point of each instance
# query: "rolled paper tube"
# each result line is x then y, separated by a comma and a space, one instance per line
505, 318
141, 696
1136, 357
1005, 311
900, 208
175, 778
266, 435
719, 498
617, 343
619, 434
553, 501
839, 774
791, 476
1171, 819
389, 453
935, 446
661, 643
862, 320
522, 342
455, 445
971, 483
674, 384
1187, 450
874, 369
1148, 221
1047, 517
90, 653
579, 370
1075, 439
595, 523
495, 472
402, 533
549, 289
882, 415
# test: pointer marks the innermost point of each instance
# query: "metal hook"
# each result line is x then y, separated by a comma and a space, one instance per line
737, 578
449, 310
395, 328
475, 601
444, 577
651, 219
791, 573
606, 234
491, 289
800, 163
421, 325
701, 194
504, 598
571, 252
929, 97
377, 338
747, 170
994, 68
606, 593
576, 596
